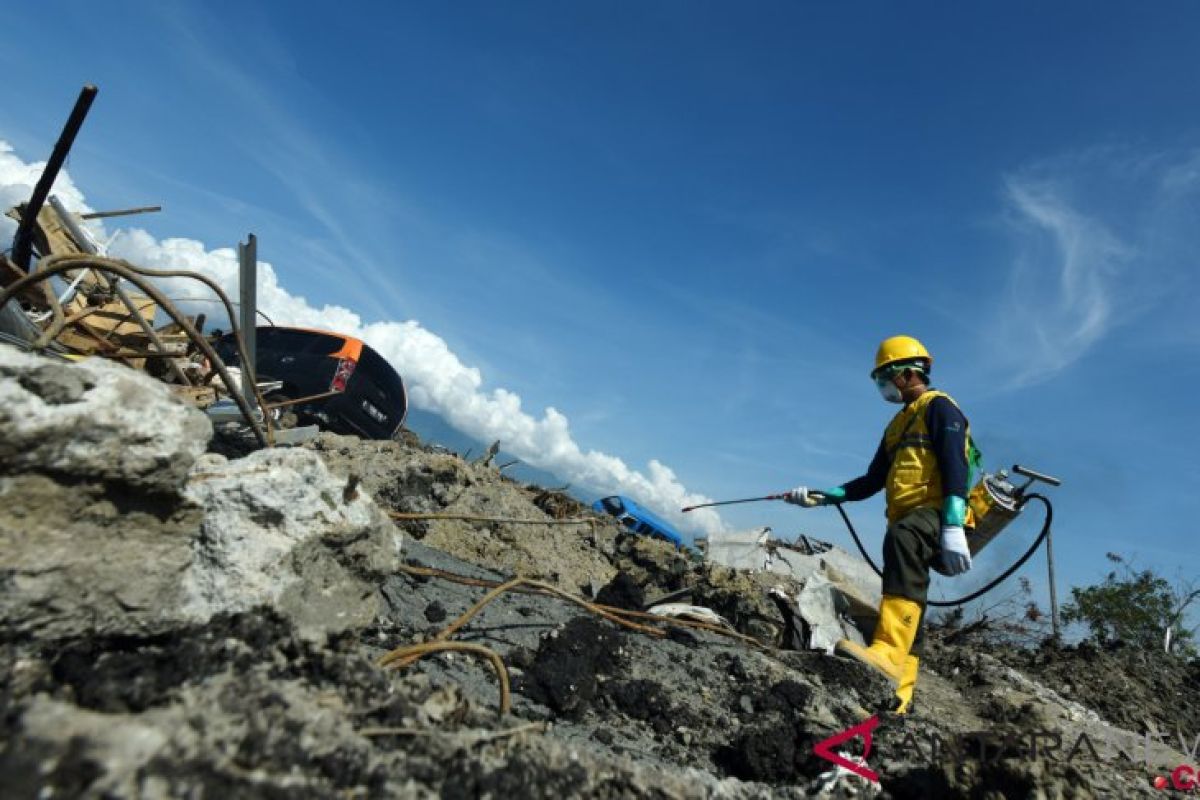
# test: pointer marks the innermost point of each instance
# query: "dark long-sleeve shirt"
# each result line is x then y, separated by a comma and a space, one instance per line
948, 434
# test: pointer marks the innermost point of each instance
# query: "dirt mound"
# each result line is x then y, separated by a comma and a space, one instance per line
407, 479
1135, 689
1002, 778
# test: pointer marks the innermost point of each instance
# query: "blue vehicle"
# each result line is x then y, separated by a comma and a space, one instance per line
637, 519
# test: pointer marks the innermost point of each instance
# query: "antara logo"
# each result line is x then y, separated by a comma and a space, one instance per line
1184, 778
825, 748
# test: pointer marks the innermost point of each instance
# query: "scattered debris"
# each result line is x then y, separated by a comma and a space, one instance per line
694, 613
836, 595
76, 302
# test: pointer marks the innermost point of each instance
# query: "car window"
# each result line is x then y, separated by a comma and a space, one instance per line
320, 344
634, 524
613, 505
284, 340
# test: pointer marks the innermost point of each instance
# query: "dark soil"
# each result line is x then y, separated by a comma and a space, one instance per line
519, 777
558, 505
131, 674
563, 675
647, 701
776, 748
622, 592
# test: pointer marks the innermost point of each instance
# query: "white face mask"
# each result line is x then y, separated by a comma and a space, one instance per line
889, 392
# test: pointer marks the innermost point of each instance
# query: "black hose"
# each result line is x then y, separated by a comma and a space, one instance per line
979, 592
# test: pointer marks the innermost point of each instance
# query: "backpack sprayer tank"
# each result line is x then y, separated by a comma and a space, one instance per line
995, 502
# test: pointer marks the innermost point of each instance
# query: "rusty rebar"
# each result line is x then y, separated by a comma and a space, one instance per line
430, 572
514, 584
54, 265
403, 656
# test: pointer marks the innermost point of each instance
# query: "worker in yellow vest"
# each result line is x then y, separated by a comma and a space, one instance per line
925, 462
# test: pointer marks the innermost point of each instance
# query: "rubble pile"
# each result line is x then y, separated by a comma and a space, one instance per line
407, 479
182, 620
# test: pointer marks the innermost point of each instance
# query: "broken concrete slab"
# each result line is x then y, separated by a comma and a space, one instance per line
95, 420
274, 529
102, 537
279, 529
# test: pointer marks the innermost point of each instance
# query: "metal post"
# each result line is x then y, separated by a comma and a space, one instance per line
23, 241
1053, 592
248, 280
123, 212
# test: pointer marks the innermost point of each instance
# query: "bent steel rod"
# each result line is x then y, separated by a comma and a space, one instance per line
81, 237
54, 265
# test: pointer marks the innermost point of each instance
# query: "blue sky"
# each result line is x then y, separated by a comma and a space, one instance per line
686, 226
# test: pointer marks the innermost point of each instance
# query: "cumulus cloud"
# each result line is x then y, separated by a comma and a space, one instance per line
17, 180
436, 377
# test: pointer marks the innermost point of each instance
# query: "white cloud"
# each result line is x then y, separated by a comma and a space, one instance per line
1060, 304
17, 180
1106, 239
437, 379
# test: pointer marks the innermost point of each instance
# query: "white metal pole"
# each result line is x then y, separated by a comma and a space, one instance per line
248, 283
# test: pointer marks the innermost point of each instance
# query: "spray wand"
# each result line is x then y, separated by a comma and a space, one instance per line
731, 502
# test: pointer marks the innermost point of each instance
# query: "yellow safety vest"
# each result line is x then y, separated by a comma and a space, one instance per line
914, 480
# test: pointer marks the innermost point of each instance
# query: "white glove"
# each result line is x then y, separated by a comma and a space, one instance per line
956, 556
803, 496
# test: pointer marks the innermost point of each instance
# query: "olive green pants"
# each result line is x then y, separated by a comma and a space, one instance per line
911, 545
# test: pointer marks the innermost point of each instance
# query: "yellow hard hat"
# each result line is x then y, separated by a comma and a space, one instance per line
899, 348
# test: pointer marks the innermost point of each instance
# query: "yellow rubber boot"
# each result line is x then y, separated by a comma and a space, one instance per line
899, 619
908, 682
